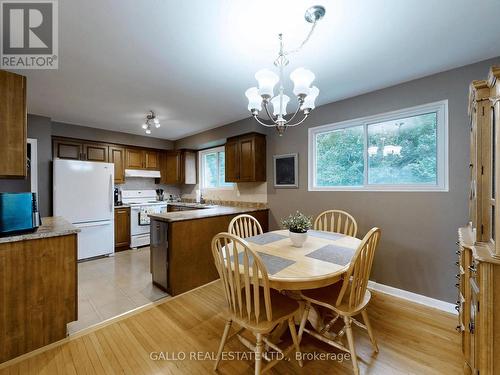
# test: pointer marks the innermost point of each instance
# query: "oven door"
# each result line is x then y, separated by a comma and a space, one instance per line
138, 226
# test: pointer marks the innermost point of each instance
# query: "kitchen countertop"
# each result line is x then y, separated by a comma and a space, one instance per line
53, 226
203, 213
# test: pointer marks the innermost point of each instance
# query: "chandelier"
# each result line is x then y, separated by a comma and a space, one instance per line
151, 120
302, 78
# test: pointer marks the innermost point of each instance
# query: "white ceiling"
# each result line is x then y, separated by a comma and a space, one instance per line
191, 61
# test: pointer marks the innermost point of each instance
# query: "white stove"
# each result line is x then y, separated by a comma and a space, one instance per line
142, 203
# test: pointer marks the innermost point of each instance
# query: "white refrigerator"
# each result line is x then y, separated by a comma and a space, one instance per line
83, 195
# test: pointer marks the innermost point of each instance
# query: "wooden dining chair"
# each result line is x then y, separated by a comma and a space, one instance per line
336, 221
346, 299
245, 226
251, 303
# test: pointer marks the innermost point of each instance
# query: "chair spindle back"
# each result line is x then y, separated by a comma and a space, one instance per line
336, 221
241, 278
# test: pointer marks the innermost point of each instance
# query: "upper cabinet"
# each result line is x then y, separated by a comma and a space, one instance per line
245, 158
117, 157
13, 119
152, 160
122, 157
95, 152
63, 148
134, 158
178, 167
137, 158
67, 149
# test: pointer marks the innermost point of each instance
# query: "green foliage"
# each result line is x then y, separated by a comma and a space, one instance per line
340, 153
297, 223
339, 156
416, 164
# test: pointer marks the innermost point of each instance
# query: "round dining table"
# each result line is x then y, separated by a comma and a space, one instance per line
321, 261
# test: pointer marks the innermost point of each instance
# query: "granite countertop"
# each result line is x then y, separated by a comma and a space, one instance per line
51, 227
203, 213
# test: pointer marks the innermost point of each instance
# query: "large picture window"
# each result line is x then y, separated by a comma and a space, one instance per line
399, 151
212, 169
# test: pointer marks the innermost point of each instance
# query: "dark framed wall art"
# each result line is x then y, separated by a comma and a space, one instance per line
286, 171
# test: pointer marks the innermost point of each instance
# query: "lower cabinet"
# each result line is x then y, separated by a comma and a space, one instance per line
122, 228
38, 292
478, 305
181, 255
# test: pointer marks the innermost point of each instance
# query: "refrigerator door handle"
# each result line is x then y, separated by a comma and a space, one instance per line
93, 224
110, 195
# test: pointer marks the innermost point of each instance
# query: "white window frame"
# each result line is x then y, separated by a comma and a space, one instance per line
201, 169
440, 107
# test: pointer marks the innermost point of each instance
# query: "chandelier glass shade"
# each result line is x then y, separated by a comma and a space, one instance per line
151, 121
263, 96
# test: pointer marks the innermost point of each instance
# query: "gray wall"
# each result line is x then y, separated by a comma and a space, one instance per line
39, 128
42, 129
61, 129
419, 230
216, 137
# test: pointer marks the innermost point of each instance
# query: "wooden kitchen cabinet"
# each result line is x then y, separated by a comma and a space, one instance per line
142, 159
121, 156
39, 291
95, 152
64, 148
152, 160
117, 157
178, 167
13, 120
181, 256
246, 158
171, 171
122, 228
188, 165
67, 149
134, 158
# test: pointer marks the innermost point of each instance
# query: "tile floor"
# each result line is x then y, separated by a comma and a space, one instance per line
111, 286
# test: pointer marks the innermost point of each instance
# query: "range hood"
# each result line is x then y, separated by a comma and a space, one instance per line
141, 173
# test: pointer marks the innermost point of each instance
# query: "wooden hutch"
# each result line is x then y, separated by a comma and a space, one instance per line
478, 252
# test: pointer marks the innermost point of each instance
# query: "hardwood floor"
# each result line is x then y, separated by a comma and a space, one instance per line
413, 340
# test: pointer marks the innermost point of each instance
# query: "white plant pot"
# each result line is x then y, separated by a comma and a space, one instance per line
298, 239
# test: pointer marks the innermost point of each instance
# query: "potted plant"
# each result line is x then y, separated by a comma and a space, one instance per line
297, 224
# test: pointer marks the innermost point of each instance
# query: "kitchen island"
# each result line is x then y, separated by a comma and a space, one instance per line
181, 254
38, 287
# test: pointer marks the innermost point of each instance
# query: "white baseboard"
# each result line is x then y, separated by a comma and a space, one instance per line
413, 297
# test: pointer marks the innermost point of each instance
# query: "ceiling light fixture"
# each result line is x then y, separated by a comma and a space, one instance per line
151, 120
302, 80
